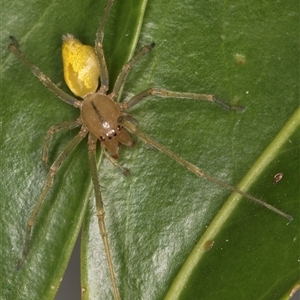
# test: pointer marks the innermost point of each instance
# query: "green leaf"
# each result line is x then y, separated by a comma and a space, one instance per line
246, 53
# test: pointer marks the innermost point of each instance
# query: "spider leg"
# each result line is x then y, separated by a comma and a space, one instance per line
125, 171
48, 184
126, 69
92, 141
100, 30
198, 172
104, 78
53, 130
176, 95
46, 81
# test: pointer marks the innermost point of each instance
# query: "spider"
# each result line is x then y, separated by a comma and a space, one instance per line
103, 119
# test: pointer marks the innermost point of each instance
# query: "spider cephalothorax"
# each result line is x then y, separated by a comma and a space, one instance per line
100, 114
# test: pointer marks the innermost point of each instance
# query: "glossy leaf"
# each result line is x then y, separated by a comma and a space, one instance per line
246, 53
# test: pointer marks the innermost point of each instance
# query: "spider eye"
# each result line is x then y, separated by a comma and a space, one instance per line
81, 67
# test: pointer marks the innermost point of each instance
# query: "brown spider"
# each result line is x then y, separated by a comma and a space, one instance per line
101, 118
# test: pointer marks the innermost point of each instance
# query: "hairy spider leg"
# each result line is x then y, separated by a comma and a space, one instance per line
100, 30
114, 162
127, 67
148, 140
104, 77
48, 184
45, 80
92, 142
158, 91
67, 125
176, 95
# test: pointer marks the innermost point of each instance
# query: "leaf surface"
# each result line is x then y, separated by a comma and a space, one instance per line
246, 53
